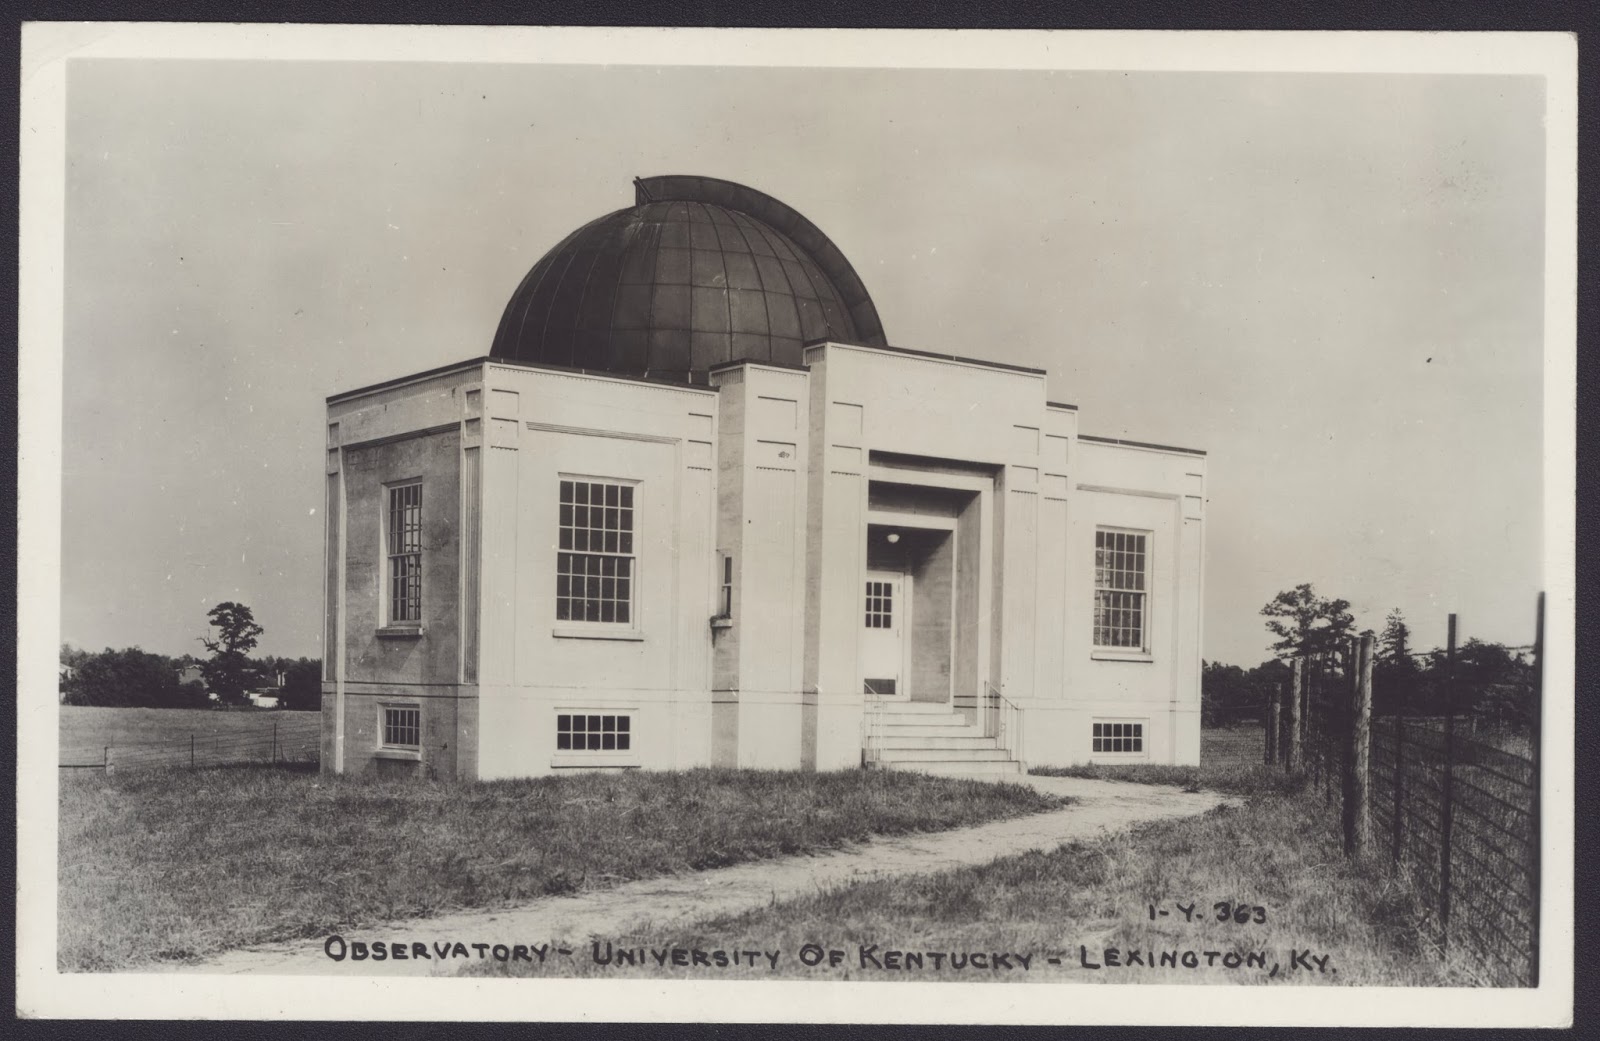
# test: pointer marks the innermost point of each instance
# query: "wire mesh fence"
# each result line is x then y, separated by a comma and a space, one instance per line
1232, 736
1451, 799
1457, 813
289, 739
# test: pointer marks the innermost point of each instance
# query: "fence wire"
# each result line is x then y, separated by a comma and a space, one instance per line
1430, 787
291, 738
1452, 800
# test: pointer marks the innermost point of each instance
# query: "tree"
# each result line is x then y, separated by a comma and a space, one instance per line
1230, 694
125, 678
70, 659
1396, 675
1305, 623
229, 671
302, 684
1222, 692
1395, 643
192, 694
1488, 680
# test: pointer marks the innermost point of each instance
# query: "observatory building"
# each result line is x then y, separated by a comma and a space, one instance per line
693, 509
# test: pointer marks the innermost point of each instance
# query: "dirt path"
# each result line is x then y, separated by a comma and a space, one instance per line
1100, 806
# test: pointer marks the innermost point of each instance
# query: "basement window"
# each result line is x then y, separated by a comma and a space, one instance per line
402, 728
596, 732
1118, 737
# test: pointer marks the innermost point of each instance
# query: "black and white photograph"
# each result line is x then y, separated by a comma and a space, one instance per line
727, 523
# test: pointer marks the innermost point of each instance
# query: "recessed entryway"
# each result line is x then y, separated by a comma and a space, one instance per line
907, 616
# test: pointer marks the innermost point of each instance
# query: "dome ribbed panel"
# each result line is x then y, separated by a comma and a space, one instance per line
671, 289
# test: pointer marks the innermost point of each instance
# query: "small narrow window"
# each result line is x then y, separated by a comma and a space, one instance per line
594, 558
403, 538
402, 727
596, 732
726, 609
1122, 738
1120, 590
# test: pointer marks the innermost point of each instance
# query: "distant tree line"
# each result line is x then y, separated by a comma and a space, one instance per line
1230, 694
1488, 680
134, 678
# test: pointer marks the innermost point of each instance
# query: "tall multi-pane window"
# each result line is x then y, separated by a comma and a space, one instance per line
404, 549
594, 559
1120, 589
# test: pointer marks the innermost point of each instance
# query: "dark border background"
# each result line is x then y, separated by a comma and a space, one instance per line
1574, 16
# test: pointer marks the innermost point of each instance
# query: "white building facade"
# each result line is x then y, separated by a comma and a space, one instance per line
610, 546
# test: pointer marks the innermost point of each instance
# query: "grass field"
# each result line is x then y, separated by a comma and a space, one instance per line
1277, 850
161, 736
177, 864
1095, 895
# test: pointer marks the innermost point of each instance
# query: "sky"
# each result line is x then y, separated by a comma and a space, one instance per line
1332, 283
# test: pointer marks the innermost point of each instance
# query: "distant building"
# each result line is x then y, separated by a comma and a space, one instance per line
191, 674
693, 509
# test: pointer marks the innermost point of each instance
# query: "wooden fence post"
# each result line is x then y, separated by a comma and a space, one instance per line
1291, 751
1271, 755
106, 761
1536, 753
1447, 797
191, 751
1346, 701
1357, 808
1398, 811
1314, 723
1326, 727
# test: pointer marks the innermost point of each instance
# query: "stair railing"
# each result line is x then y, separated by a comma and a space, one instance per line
871, 727
1002, 720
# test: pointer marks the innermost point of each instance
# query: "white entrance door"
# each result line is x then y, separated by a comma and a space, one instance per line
885, 614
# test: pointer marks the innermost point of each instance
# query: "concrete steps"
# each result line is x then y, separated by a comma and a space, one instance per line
951, 768
894, 740
944, 755
956, 727
936, 739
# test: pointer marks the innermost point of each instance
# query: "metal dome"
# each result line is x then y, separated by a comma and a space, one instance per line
697, 273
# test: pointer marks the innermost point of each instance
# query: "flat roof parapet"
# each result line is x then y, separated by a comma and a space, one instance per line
931, 355
512, 363
1140, 444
